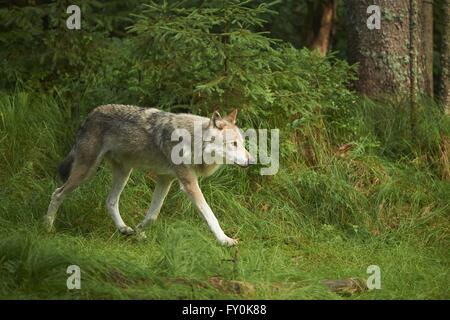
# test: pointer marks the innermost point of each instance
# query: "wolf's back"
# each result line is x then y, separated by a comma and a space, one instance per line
126, 129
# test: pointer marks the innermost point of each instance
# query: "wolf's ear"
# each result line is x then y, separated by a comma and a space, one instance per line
232, 116
216, 121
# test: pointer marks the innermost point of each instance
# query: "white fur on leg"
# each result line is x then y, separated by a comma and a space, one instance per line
120, 179
55, 202
159, 194
198, 199
213, 223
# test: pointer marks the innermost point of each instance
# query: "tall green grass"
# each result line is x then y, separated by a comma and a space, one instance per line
383, 202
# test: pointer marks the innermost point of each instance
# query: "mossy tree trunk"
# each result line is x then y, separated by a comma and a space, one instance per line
445, 55
387, 56
426, 45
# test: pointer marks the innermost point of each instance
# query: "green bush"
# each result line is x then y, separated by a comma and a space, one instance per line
209, 57
356, 185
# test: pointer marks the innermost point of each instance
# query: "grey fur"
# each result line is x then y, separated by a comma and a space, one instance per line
133, 137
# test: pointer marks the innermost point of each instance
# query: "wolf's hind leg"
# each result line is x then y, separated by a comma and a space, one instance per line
79, 173
120, 179
55, 202
162, 187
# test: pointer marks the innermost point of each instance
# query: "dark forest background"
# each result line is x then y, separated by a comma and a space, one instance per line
37, 49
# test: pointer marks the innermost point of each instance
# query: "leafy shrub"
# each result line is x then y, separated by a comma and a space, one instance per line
39, 51
202, 58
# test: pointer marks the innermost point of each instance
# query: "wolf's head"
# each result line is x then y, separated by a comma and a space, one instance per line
224, 141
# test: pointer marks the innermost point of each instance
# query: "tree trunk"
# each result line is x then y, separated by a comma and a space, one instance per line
445, 55
426, 45
387, 57
382, 54
322, 39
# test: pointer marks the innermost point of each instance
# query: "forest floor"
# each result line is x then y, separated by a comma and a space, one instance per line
296, 229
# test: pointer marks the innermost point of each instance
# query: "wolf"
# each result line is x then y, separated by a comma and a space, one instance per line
131, 137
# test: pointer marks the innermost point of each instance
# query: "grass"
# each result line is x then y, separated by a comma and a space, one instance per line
302, 226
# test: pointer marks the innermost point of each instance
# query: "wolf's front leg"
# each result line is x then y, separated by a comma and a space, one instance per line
162, 187
192, 189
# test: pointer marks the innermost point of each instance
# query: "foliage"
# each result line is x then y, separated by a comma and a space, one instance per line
39, 51
175, 57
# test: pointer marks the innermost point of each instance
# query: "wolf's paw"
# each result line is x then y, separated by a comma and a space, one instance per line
47, 223
227, 241
126, 230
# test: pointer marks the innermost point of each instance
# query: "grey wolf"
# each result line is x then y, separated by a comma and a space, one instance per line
131, 137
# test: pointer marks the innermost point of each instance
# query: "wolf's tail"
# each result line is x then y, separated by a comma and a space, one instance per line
66, 165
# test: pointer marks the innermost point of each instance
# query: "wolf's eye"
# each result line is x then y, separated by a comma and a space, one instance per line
234, 144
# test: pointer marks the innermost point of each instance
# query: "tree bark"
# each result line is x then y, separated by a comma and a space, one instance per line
444, 91
391, 59
322, 39
426, 45
383, 54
